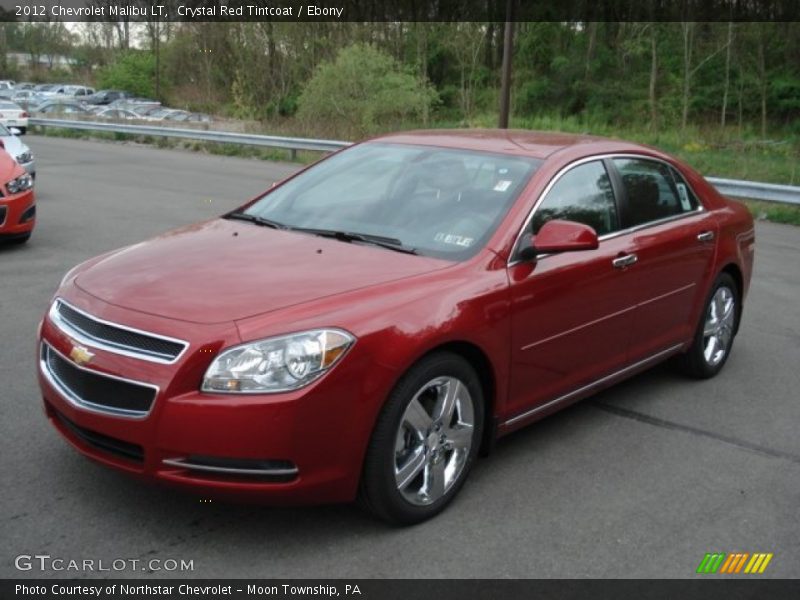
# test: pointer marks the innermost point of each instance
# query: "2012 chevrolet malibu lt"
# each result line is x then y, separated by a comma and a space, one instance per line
365, 327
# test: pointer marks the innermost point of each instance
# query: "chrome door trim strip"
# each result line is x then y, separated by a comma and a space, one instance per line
90, 340
579, 327
587, 387
671, 293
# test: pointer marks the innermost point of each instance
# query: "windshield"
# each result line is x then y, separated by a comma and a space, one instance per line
440, 202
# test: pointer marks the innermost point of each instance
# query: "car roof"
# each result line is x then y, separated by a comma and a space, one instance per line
536, 144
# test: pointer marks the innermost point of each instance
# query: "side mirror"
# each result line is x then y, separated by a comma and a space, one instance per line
14, 131
560, 236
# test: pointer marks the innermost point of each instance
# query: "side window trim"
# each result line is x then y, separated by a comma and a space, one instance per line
620, 198
672, 170
516, 247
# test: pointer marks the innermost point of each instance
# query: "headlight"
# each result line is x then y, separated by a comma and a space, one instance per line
25, 157
20, 184
277, 364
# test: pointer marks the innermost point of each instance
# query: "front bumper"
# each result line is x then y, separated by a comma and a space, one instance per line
17, 214
305, 446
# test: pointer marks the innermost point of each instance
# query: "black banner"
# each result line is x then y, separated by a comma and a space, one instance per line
367, 589
399, 10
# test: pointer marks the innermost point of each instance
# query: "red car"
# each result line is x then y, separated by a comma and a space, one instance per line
17, 202
365, 327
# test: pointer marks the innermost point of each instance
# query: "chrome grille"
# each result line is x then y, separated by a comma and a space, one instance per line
114, 337
94, 390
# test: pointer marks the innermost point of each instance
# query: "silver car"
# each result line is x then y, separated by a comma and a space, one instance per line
17, 149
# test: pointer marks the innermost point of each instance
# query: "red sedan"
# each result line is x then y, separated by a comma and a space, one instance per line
365, 327
17, 203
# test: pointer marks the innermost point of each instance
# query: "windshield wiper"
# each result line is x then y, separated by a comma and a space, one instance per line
242, 216
389, 243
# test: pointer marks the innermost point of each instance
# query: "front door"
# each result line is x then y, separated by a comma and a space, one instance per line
572, 311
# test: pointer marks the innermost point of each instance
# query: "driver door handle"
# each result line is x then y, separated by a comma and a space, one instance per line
705, 236
625, 260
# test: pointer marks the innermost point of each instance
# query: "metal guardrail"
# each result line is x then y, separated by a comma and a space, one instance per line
770, 192
727, 187
224, 137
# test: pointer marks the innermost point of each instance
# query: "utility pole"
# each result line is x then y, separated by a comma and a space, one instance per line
157, 44
508, 49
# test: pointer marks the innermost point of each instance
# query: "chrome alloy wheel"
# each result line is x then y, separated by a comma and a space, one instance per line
434, 440
719, 324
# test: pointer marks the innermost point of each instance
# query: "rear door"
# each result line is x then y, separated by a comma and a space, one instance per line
673, 241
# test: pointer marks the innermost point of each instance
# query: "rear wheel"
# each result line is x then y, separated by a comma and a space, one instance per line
22, 130
425, 441
713, 339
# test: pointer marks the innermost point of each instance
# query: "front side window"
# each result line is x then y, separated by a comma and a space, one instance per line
583, 194
441, 202
652, 191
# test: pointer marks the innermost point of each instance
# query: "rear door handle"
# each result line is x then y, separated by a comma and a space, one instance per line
705, 236
624, 261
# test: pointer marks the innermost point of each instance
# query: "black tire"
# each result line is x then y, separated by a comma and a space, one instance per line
695, 362
19, 240
379, 492
22, 130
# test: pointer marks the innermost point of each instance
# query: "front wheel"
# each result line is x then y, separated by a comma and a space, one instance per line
713, 339
424, 442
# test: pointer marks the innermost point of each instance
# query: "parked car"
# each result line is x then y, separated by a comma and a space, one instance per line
44, 87
78, 92
57, 106
188, 117
106, 96
131, 102
13, 115
365, 326
144, 110
26, 98
6, 85
56, 89
17, 201
25, 85
164, 113
117, 113
18, 150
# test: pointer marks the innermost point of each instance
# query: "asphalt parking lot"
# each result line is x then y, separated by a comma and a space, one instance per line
640, 481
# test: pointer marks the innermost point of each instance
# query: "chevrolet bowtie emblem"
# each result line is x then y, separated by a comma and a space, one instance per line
80, 355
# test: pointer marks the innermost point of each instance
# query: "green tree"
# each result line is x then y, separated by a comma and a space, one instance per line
132, 71
364, 89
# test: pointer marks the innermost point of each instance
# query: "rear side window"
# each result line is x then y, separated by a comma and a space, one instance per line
583, 194
652, 191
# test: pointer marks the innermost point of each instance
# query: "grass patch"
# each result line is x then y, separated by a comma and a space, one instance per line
774, 212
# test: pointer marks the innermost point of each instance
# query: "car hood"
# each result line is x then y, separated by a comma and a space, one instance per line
225, 270
13, 145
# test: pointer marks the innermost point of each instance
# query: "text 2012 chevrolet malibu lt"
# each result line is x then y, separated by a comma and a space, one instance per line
365, 327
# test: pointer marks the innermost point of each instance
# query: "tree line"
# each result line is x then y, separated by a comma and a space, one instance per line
361, 77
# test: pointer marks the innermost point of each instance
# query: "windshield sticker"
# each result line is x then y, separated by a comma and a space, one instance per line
455, 240
502, 185
684, 194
